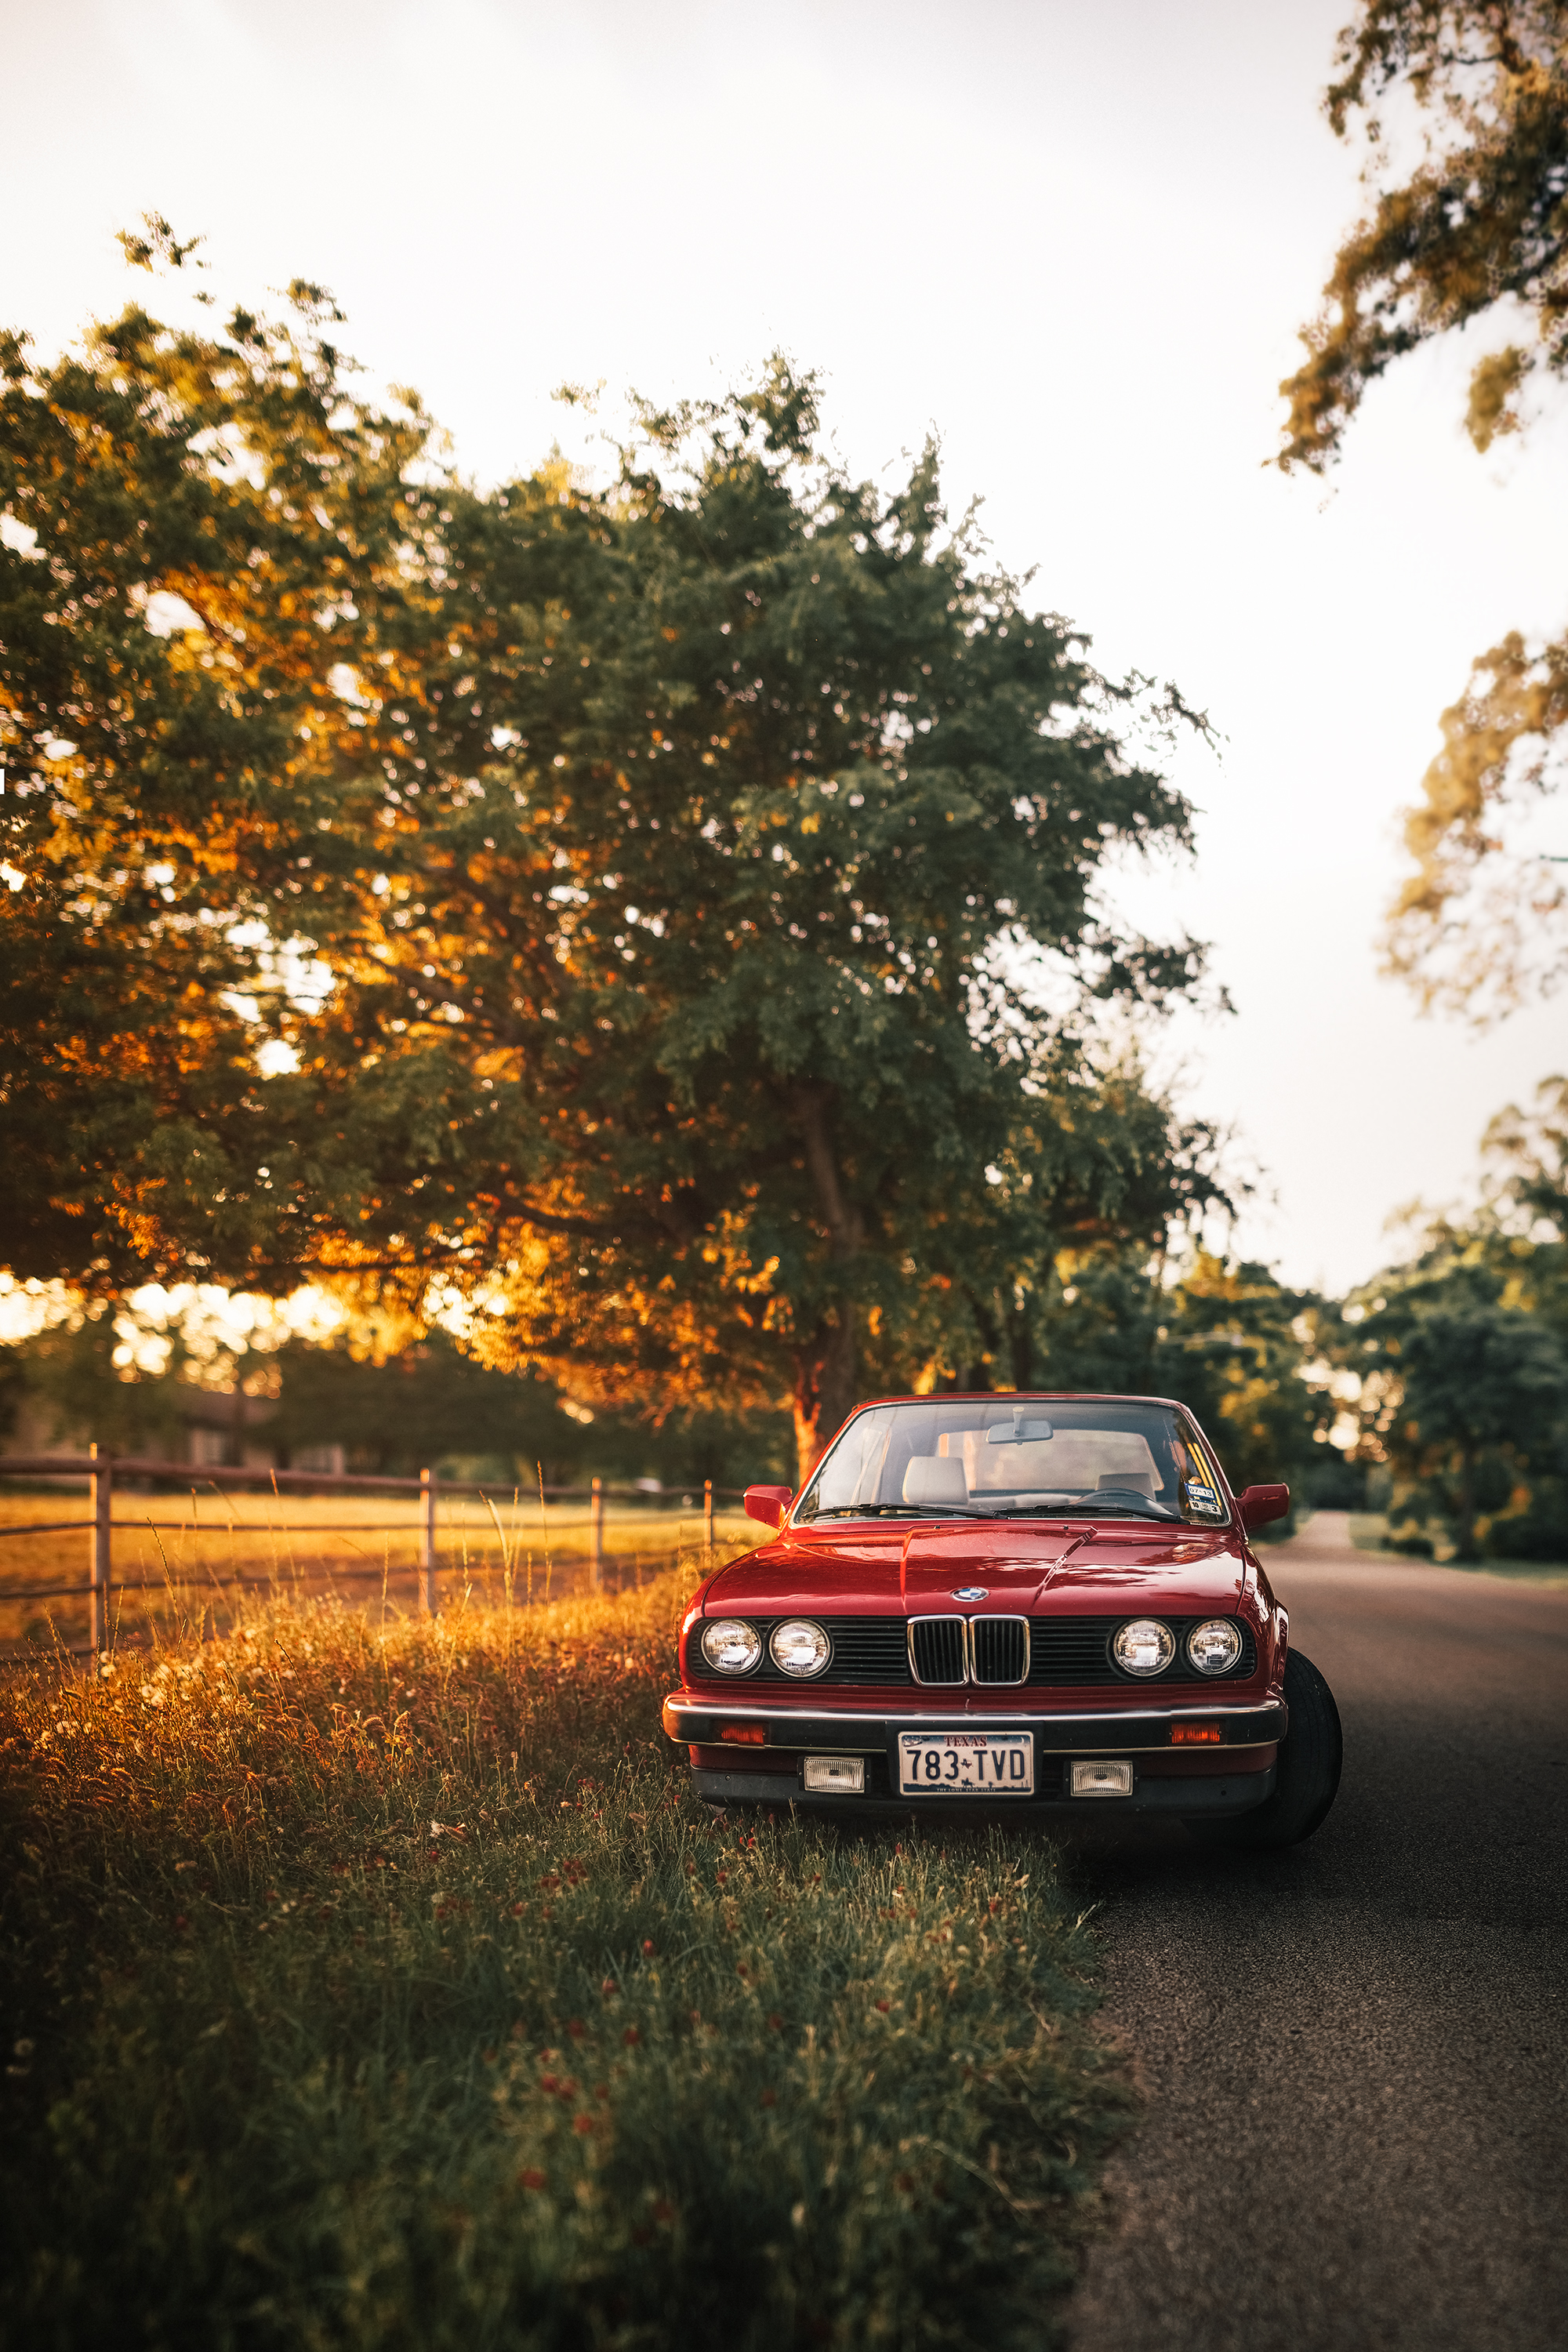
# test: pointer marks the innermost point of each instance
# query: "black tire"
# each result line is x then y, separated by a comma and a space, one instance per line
1310, 1755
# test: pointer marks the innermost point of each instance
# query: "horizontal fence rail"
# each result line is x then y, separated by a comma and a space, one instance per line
100, 1470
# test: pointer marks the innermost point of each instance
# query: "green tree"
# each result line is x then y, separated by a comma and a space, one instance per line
1228, 1341
1478, 226
1464, 1388
676, 860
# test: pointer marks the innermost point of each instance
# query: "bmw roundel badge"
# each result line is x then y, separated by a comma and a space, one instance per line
971, 1592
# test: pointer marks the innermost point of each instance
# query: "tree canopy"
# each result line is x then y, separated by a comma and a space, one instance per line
653, 886
1477, 227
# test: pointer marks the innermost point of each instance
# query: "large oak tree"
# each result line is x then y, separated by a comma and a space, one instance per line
677, 861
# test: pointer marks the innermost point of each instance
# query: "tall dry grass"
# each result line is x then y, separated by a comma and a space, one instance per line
382, 1986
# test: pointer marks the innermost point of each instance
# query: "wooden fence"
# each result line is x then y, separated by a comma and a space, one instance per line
101, 1471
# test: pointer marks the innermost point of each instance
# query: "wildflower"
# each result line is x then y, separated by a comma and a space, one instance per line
531, 2178
574, 2028
583, 2125
770, 2099
631, 2037
884, 2006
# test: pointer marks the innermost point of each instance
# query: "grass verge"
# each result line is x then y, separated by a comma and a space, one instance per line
385, 1986
1367, 1530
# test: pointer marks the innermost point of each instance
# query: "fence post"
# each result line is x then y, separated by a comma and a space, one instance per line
708, 1513
427, 1537
596, 1535
101, 1482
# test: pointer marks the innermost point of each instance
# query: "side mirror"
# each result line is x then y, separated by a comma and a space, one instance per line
769, 1503
1259, 1505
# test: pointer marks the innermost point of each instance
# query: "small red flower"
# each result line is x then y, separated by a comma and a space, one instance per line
574, 2028
583, 2125
631, 2037
531, 2178
884, 2006
647, 1947
770, 2099
181, 1922
608, 1987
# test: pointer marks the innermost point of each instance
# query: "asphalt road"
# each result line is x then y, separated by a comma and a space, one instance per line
1355, 2054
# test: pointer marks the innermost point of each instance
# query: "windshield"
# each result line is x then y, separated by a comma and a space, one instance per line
1007, 1456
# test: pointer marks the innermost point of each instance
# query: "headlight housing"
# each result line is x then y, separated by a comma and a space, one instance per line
1215, 1647
731, 1646
1143, 1646
799, 1647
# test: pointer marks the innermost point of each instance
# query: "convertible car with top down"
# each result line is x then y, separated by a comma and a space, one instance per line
1024, 1604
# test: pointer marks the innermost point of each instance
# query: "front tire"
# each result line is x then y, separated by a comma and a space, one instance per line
1310, 1755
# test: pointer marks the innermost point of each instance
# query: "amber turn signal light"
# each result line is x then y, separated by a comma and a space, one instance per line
744, 1735
1189, 1734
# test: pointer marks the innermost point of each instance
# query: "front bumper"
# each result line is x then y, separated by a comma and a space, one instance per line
769, 1745
1178, 1798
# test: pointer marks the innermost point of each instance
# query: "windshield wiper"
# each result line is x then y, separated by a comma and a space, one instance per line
898, 1511
1087, 1511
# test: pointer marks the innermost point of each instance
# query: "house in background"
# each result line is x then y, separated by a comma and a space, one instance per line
221, 1429
226, 1429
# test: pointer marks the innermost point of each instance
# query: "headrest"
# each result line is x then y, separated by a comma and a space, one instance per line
929, 1479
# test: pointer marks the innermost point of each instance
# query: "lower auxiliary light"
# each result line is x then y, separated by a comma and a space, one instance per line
841, 1776
1101, 1779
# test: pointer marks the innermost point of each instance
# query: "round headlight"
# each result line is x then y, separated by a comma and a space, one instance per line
799, 1647
1143, 1647
731, 1646
1215, 1647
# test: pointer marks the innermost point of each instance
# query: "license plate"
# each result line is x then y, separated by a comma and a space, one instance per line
966, 1764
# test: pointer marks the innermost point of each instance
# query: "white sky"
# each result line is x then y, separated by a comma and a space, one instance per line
1077, 241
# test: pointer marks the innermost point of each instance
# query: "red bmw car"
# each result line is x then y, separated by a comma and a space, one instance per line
1029, 1603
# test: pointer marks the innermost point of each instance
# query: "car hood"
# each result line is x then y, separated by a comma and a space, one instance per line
1024, 1568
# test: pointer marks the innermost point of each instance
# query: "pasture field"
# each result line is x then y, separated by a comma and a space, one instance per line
177, 1555
379, 1984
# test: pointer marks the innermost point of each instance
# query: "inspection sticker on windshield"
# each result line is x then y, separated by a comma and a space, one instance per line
1196, 1494
966, 1763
